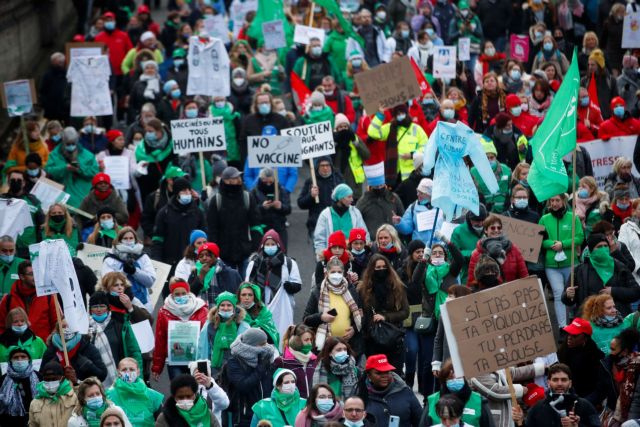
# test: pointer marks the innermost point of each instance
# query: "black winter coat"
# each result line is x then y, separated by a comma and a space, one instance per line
583, 361
273, 218
137, 98
227, 279
52, 94
87, 361
325, 186
406, 190
246, 386
254, 124
543, 415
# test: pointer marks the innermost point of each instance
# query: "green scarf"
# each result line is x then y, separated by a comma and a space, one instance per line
319, 116
199, 415
288, 403
225, 335
140, 402
65, 387
93, 417
602, 262
264, 321
208, 278
433, 281
153, 157
109, 233
57, 226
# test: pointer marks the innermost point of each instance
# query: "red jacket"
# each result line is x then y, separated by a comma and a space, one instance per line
162, 329
615, 127
118, 43
41, 311
513, 268
525, 122
593, 115
347, 107
377, 148
584, 134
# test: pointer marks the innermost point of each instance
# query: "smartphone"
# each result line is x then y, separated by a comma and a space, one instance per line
202, 367
333, 312
271, 197
394, 421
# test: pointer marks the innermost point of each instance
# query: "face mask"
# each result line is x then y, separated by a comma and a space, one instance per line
100, 317
19, 329
521, 203
264, 109
618, 111
381, 15
335, 278
525, 107
430, 32
516, 111
324, 405
95, 403
306, 348
350, 423
33, 172
56, 138
20, 365
191, 113
584, 102
129, 377
57, 218
226, 315
623, 206
185, 199
88, 128
437, 261
70, 148
610, 318
464, 13
109, 25
317, 108
404, 34
380, 275
7, 259
175, 94
107, 224
507, 131
68, 335
455, 384
51, 386
448, 114
220, 104
185, 405
248, 306
401, 117
357, 63
340, 357
428, 101
283, 113
270, 250
548, 46
181, 300
316, 51
478, 229
238, 82
423, 202
538, 35
150, 137
357, 251
288, 388
583, 193
490, 51
494, 164
178, 63
114, 294
515, 74
600, 254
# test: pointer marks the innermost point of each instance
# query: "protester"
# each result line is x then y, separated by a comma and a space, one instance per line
322, 406
494, 202
211, 276
54, 398
297, 356
257, 313
186, 407
92, 403
18, 386
188, 262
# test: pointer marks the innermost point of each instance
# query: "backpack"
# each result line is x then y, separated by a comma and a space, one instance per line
245, 199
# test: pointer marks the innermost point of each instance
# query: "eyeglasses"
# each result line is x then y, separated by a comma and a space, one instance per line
354, 410
495, 227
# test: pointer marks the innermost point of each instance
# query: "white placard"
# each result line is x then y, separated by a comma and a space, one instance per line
238, 10
18, 97
49, 192
444, 62
631, 29
117, 167
144, 335
77, 52
464, 48
182, 341
196, 135
274, 151
316, 139
90, 93
425, 220
216, 26
274, 37
604, 153
447, 229
303, 33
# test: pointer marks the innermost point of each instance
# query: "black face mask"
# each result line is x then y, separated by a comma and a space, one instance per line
57, 218
489, 281
15, 186
380, 275
378, 191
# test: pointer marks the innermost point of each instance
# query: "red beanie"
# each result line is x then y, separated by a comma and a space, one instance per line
211, 247
113, 134
179, 284
617, 101
101, 177
337, 239
357, 234
512, 101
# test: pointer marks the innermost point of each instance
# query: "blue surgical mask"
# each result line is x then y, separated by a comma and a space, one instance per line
95, 403
110, 25
404, 34
341, 356
423, 202
357, 251
56, 138
448, 114
515, 74
185, 199
88, 128
388, 246
357, 63
537, 34
20, 365
264, 109
70, 148
150, 137
618, 111
178, 63
7, 259
107, 224
610, 318
19, 330
270, 250
316, 51
516, 111
175, 94
226, 315
324, 405
584, 102
349, 423
129, 377
622, 206
191, 113
220, 104
100, 317
548, 46
428, 101
114, 294
521, 203
400, 117
583, 193
33, 172
455, 384
494, 164
181, 300
430, 32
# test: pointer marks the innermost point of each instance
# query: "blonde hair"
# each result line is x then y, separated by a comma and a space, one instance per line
593, 307
590, 34
82, 389
620, 162
122, 232
392, 233
68, 226
516, 172
108, 281
11, 315
589, 181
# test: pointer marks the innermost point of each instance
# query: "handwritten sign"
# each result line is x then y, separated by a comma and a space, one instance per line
444, 62
216, 26
274, 37
425, 220
117, 167
274, 151
498, 327
464, 48
196, 135
78, 49
302, 34
388, 85
519, 47
604, 153
316, 140
631, 29
525, 235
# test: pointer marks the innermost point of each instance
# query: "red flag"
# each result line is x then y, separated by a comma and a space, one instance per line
422, 82
300, 92
593, 93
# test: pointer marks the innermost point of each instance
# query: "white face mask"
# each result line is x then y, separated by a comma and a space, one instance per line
288, 388
51, 386
185, 405
335, 278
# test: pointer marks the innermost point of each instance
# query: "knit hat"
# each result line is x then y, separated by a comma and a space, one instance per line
617, 101
255, 337
179, 53
486, 266
357, 234
598, 57
105, 210
340, 192
280, 372
149, 62
512, 101
502, 119
113, 411
226, 296
52, 368
147, 35
180, 283
594, 239
337, 239
108, 15
418, 159
621, 191
629, 61
414, 245
425, 186
317, 97
340, 119
211, 247
100, 177
195, 235
143, 8
173, 172
113, 134
168, 85
180, 184
482, 214
488, 146
218, 164
402, 108
355, 54
70, 134
15, 349
99, 298
374, 174
463, 4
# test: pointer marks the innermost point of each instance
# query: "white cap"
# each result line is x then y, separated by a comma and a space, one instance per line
425, 186
146, 36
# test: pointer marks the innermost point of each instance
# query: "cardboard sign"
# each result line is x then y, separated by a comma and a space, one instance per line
117, 167
216, 26
196, 135
18, 97
631, 29
444, 62
525, 235
604, 153
388, 85
274, 37
464, 48
302, 34
316, 140
498, 328
274, 151
519, 47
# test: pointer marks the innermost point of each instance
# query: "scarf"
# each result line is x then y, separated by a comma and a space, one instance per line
93, 417
132, 393
583, 204
266, 60
323, 305
391, 150
225, 335
249, 354
602, 263
264, 321
287, 403
109, 233
102, 195
184, 311
41, 393
153, 85
199, 415
155, 156
208, 278
622, 215
486, 60
57, 226
101, 342
315, 418
604, 323
346, 374
627, 387
433, 281
72, 346
300, 356
10, 397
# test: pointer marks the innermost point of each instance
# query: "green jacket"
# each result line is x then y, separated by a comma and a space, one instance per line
130, 343
603, 336
629, 321
77, 184
319, 116
496, 203
8, 275
465, 239
138, 401
275, 79
560, 230
34, 345
72, 241
336, 46
230, 118
266, 409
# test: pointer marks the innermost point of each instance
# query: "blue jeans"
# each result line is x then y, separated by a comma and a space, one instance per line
557, 278
419, 352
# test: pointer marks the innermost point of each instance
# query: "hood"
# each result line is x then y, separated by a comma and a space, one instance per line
272, 234
323, 159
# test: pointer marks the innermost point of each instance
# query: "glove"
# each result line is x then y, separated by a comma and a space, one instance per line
438, 235
129, 267
291, 287
427, 253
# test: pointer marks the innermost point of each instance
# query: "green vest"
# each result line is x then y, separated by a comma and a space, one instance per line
341, 222
8, 275
470, 415
355, 163
266, 409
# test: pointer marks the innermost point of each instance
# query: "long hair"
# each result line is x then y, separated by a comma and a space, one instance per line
392, 233
313, 395
593, 307
485, 96
325, 354
516, 172
293, 336
68, 226
365, 287
122, 232
82, 389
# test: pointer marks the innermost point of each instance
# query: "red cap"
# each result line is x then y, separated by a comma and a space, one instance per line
337, 239
512, 101
179, 284
357, 234
108, 15
101, 177
113, 134
211, 247
379, 362
618, 101
143, 8
534, 394
78, 38
579, 326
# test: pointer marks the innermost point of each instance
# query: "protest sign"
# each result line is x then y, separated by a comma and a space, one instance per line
525, 235
464, 48
216, 26
387, 85
18, 97
15, 217
144, 335
425, 220
519, 47
117, 167
182, 341
316, 140
274, 151
237, 12
351, 5
90, 93
444, 62
604, 153
447, 229
498, 327
302, 34
274, 37
49, 192
197, 135
631, 29
78, 49
208, 67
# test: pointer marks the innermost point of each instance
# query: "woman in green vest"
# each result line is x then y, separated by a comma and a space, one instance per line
257, 314
18, 334
284, 404
606, 321
476, 409
58, 224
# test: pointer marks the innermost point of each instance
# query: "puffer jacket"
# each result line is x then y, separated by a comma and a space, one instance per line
77, 184
304, 373
87, 361
398, 400
16, 161
513, 267
560, 230
379, 208
247, 385
46, 413
41, 312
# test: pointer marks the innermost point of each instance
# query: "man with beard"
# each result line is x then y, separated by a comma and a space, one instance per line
350, 154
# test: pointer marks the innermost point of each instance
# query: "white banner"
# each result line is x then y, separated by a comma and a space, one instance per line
196, 135
316, 139
464, 48
444, 62
274, 151
604, 153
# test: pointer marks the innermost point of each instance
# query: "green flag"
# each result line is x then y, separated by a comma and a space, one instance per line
555, 138
270, 10
333, 9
